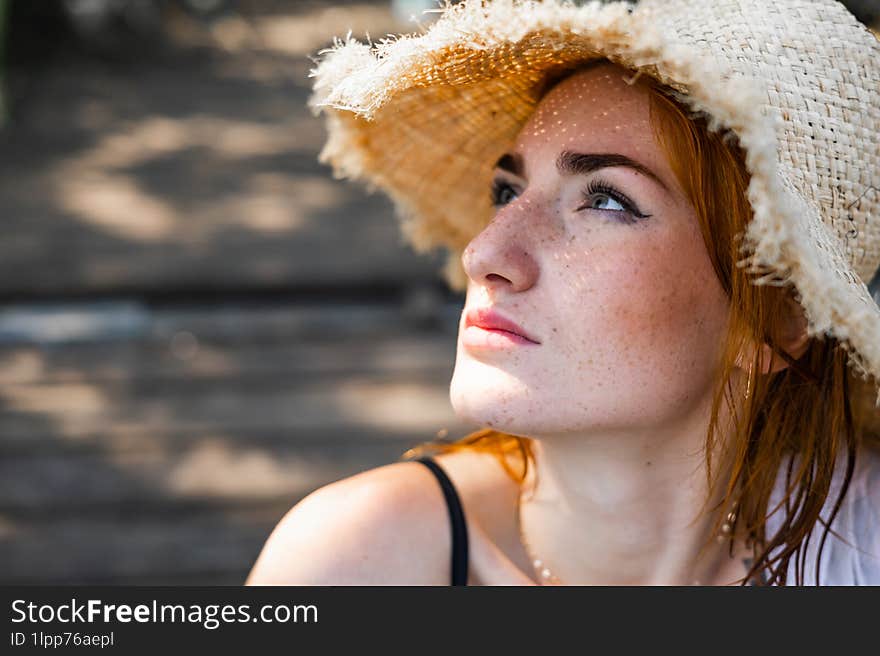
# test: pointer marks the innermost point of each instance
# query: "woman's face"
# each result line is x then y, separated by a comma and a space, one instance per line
604, 266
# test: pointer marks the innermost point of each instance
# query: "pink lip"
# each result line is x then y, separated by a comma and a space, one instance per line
491, 321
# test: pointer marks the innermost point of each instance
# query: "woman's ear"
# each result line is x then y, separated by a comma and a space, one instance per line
794, 340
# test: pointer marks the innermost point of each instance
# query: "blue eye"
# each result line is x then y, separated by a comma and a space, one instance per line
599, 198
502, 193
599, 192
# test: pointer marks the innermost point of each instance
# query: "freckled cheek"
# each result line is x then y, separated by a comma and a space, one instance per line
640, 304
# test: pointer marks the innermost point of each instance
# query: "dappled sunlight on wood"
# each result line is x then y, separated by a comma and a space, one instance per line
21, 366
115, 204
213, 467
276, 203
154, 136
75, 409
393, 405
303, 33
99, 187
211, 326
55, 401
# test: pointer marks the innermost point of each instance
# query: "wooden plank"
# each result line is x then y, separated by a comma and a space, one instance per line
82, 411
420, 309
114, 550
193, 359
207, 474
28, 441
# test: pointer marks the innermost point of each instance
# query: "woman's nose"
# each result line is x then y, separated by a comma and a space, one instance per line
502, 252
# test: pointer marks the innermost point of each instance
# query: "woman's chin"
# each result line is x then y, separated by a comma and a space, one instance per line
480, 406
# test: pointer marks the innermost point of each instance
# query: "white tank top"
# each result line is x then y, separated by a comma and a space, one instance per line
858, 522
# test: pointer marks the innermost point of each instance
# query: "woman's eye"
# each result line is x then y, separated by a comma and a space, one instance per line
600, 195
502, 193
602, 201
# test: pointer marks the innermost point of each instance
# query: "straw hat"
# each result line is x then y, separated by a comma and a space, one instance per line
424, 117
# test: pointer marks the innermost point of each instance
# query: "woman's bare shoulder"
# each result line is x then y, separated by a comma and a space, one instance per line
388, 525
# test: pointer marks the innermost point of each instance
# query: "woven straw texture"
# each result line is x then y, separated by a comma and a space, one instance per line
424, 117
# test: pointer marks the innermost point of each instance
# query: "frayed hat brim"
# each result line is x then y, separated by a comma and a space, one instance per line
424, 117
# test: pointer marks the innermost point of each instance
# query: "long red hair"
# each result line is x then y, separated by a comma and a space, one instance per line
815, 408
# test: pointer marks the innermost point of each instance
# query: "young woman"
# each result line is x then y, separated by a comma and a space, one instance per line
653, 412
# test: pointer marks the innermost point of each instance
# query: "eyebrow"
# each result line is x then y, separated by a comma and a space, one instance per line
571, 163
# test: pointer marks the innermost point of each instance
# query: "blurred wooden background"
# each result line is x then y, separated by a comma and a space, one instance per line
198, 324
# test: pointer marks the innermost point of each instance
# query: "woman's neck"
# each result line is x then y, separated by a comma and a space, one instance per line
624, 509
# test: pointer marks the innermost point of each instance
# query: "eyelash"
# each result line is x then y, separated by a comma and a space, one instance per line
600, 186
595, 186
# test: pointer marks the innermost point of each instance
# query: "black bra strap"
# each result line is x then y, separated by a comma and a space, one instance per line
456, 518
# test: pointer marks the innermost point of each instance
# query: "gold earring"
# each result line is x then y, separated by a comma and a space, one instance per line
749, 382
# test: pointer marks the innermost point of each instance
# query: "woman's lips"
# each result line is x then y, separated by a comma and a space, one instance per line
486, 328
482, 338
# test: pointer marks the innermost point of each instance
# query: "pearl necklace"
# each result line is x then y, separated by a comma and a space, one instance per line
547, 577
542, 572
